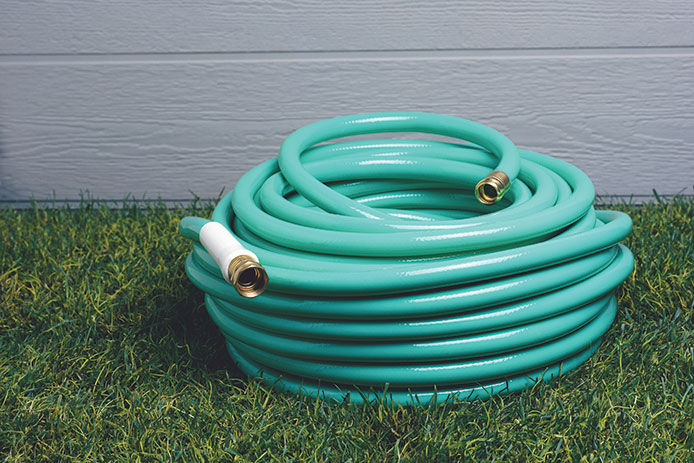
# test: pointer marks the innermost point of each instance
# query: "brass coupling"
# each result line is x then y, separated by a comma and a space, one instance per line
248, 276
492, 187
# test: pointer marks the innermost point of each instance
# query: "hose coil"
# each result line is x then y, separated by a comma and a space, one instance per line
390, 264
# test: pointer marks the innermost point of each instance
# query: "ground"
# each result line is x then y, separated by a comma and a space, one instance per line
107, 353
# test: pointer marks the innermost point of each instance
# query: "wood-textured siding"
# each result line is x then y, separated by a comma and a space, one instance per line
162, 98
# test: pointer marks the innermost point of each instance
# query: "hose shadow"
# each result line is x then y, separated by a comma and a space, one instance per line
199, 343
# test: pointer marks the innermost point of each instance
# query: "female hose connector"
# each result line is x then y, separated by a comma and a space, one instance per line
492, 187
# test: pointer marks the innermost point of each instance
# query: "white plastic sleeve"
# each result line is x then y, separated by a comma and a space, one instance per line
222, 246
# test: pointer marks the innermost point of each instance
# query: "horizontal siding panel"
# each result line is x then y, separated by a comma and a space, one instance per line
135, 26
168, 128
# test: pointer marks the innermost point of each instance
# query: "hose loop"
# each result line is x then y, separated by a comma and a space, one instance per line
462, 268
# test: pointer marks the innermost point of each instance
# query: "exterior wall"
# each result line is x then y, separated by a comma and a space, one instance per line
160, 98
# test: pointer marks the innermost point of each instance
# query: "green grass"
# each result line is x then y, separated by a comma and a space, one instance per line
107, 353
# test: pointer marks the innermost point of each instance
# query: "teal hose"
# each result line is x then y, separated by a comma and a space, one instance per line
386, 274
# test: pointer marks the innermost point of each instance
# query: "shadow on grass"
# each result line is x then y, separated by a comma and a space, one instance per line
199, 343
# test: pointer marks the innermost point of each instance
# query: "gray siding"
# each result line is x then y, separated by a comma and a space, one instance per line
163, 98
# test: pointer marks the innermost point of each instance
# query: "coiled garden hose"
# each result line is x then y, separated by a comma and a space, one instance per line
358, 267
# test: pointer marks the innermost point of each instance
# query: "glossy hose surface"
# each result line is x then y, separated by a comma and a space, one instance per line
385, 271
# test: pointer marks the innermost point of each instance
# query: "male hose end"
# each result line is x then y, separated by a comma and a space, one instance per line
247, 275
238, 265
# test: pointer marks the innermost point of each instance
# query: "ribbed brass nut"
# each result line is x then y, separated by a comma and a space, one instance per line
492, 187
248, 276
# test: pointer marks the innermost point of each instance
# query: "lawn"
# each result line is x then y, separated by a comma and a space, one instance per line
107, 353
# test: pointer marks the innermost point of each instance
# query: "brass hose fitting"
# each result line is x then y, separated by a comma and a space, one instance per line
248, 276
492, 187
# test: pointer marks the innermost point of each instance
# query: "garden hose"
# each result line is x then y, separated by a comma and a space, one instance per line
407, 269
